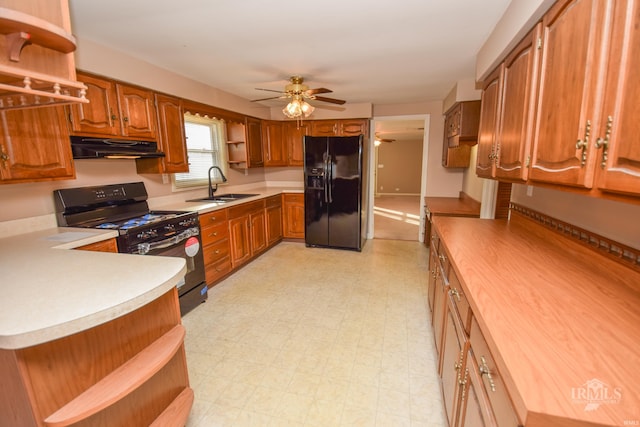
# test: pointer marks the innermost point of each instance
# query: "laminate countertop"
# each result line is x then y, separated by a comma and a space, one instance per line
50, 291
452, 206
561, 319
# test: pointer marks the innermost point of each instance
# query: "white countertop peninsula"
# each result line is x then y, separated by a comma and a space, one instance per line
51, 292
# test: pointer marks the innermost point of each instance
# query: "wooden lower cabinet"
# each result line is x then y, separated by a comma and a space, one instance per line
215, 242
293, 215
129, 371
109, 245
273, 216
472, 389
247, 231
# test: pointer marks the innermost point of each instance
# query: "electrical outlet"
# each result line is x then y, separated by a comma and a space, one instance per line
529, 190
380, 166
381, 188
397, 189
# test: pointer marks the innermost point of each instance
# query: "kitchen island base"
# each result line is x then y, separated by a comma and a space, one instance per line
129, 371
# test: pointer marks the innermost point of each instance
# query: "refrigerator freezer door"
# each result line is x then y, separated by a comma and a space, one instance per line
315, 191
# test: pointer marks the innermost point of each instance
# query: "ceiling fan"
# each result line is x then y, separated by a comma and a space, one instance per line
298, 93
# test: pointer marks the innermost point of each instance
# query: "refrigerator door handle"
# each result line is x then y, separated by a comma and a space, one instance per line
324, 181
330, 179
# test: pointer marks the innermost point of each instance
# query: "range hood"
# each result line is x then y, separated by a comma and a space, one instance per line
106, 148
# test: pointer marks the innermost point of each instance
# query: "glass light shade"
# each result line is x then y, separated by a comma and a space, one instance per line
307, 108
293, 109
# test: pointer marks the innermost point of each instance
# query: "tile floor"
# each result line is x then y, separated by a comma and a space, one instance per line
317, 337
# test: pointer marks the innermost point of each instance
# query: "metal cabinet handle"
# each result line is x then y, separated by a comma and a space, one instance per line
484, 370
583, 144
604, 143
454, 292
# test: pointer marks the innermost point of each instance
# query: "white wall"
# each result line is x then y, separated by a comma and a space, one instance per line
612, 219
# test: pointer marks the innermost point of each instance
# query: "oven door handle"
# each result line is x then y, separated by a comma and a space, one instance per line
145, 248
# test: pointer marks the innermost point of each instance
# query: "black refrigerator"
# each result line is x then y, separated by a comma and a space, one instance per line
333, 192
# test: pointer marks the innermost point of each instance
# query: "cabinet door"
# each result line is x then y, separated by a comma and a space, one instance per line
258, 229
293, 216
324, 128
489, 114
618, 158
571, 58
254, 143
274, 224
171, 134
453, 352
240, 240
100, 116
274, 143
137, 111
353, 127
294, 134
171, 139
517, 109
34, 145
475, 409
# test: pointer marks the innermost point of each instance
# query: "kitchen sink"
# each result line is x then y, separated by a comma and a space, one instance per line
223, 198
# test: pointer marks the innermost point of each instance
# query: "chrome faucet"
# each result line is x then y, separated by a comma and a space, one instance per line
211, 189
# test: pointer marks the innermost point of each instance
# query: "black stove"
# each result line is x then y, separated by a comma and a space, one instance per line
124, 208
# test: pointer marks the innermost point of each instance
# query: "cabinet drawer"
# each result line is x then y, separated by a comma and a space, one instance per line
492, 381
215, 233
246, 208
274, 201
460, 301
216, 252
214, 272
214, 217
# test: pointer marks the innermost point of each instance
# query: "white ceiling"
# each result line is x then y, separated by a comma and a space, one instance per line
379, 52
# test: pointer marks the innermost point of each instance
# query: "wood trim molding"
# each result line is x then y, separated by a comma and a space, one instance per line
623, 254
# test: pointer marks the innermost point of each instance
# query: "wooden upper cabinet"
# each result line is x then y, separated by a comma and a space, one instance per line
506, 122
99, 116
618, 154
344, 127
517, 104
137, 112
34, 145
353, 127
324, 128
570, 90
489, 115
254, 142
294, 134
274, 143
114, 109
171, 138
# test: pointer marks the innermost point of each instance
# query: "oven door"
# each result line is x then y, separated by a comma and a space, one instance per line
187, 245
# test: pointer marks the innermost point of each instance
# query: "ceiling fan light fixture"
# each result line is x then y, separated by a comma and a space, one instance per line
297, 108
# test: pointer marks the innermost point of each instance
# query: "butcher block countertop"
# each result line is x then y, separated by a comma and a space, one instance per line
50, 291
559, 318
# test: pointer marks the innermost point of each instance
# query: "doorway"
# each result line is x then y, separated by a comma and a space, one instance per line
398, 169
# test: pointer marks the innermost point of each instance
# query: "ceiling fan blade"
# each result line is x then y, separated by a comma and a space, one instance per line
318, 90
268, 90
331, 100
266, 99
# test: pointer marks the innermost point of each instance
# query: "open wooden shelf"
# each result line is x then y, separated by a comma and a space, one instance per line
122, 381
23, 28
177, 412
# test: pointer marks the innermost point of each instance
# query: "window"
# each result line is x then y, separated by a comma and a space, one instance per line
205, 143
